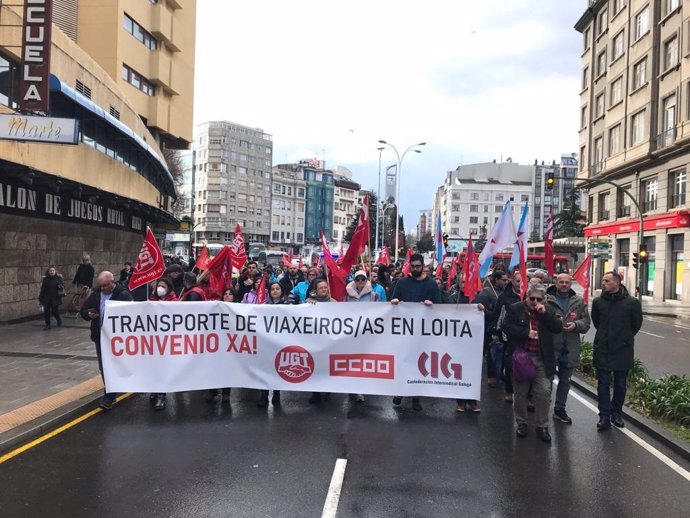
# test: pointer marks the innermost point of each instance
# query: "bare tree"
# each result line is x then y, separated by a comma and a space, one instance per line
173, 158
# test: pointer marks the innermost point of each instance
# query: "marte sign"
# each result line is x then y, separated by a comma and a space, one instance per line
36, 42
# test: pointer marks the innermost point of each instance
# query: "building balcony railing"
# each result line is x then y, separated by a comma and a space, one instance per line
666, 138
678, 200
624, 211
603, 215
596, 168
649, 205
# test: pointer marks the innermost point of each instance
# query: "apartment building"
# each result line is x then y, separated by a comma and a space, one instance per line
232, 182
288, 204
424, 224
634, 133
345, 203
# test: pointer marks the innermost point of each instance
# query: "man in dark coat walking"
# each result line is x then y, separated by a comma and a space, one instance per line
92, 309
617, 318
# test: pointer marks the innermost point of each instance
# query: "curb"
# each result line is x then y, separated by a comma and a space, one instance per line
678, 446
47, 422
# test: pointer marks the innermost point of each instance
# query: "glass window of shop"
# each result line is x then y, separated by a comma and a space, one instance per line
676, 245
623, 252
647, 269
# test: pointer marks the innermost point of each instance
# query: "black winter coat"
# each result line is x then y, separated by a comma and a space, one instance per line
49, 294
617, 318
93, 301
84, 275
516, 328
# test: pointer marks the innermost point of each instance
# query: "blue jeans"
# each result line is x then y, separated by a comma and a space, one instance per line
608, 406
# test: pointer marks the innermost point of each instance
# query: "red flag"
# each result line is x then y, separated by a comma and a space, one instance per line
150, 265
290, 256
220, 269
523, 271
452, 273
360, 238
203, 259
384, 257
438, 274
406, 264
582, 276
548, 245
239, 254
335, 274
300, 262
470, 271
287, 261
261, 291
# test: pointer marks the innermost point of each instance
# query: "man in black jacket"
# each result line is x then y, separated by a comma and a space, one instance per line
530, 325
617, 318
93, 309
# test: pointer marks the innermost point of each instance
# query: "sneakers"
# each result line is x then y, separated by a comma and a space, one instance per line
159, 404
604, 423
474, 407
461, 407
543, 434
617, 421
508, 398
397, 400
561, 415
521, 430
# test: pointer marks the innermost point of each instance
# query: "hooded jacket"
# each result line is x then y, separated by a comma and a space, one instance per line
617, 318
577, 313
366, 295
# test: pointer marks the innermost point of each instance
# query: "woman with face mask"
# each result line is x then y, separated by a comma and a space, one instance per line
164, 292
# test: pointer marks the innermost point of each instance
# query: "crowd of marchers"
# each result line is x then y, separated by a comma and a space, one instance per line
532, 334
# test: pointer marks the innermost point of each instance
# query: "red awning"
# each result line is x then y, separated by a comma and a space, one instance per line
653, 222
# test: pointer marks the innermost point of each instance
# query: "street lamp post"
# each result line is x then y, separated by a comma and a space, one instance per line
378, 201
397, 187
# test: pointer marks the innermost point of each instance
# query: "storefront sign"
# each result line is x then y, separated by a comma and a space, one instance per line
36, 42
36, 202
657, 221
39, 129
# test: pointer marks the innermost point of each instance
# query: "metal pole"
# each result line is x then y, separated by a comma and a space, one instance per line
378, 202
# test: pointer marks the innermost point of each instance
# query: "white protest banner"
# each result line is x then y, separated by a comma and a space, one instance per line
362, 348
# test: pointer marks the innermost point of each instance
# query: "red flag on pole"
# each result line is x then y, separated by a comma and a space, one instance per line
335, 274
203, 259
261, 290
548, 245
523, 271
220, 270
384, 257
452, 273
360, 237
150, 265
583, 277
406, 265
470, 270
438, 274
239, 254
287, 261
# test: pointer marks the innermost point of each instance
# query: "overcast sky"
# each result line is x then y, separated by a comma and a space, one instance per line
476, 81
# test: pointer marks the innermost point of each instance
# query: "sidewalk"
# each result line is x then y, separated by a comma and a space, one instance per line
47, 376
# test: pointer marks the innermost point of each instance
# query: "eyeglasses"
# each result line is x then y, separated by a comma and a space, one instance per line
536, 299
360, 278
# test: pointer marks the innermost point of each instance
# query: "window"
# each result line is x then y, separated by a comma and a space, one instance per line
616, 91
474, 196
498, 208
585, 39
585, 78
668, 122
499, 196
583, 157
455, 208
650, 191
615, 140
679, 188
473, 219
617, 6
601, 63
642, 23
672, 5
640, 74
583, 116
599, 106
138, 81
618, 46
637, 131
671, 53
474, 208
603, 22
598, 153
524, 197
140, 33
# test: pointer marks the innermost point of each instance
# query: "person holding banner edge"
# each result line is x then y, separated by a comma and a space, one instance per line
92, 310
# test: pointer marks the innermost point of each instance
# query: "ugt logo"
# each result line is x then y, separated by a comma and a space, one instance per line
294, 364
449, 370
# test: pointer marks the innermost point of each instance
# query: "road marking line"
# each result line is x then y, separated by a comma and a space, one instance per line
331, 505
55, 432
652, 334
651, 449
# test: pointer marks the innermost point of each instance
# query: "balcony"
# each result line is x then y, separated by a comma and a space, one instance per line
666, 138
649, 205
596, 168
603, 215
678, 200
624, 211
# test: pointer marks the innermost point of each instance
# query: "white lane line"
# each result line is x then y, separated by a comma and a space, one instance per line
652, 334
651, 449
331, 505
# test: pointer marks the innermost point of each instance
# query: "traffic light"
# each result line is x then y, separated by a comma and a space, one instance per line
550, 181
445, 241
644, 254
636, 260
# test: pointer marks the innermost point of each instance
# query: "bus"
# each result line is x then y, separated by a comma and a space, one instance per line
560, 262
254, 249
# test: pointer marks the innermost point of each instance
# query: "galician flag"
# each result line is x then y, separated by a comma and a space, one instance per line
520, 248
438, 241
502, 235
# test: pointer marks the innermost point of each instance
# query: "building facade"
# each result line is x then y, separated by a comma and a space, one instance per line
345, 203
424, 225
232, 182
634, 131
97, 193
288, 204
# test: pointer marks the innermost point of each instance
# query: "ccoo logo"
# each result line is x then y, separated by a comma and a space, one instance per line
429, 365
294, 364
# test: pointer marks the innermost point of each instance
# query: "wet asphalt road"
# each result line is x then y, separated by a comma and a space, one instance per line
197, 460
